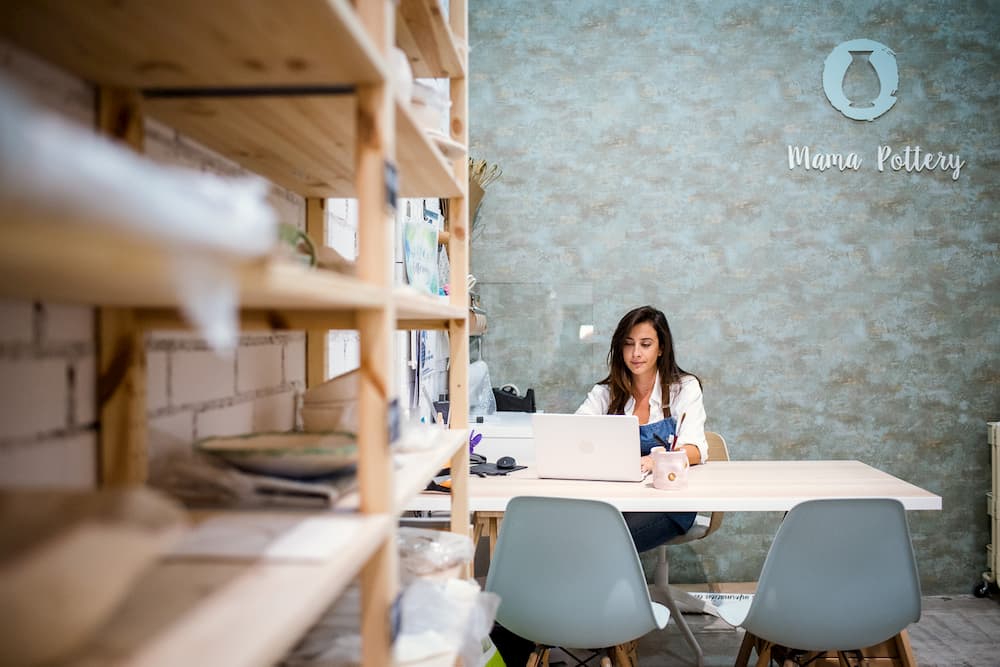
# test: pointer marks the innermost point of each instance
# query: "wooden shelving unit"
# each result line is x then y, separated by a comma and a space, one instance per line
299, 93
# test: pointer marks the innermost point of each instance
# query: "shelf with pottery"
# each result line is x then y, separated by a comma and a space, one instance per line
213, 582
273, 88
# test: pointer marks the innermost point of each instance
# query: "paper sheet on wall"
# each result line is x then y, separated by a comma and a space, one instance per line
713, 602
420, 256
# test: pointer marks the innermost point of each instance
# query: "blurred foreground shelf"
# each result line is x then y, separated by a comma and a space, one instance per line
238, 610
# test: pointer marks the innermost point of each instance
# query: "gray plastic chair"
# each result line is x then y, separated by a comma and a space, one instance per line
840, 576
568, 576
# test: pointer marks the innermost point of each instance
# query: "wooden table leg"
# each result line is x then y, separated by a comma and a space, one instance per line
477, 528
488, 524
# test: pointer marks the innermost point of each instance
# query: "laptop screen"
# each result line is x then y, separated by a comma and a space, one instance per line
594, 447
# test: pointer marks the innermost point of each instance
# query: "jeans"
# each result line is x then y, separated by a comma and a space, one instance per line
651, 529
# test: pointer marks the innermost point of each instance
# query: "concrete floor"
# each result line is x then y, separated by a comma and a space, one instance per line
953, 631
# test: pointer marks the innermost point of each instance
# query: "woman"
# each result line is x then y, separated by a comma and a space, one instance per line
644, 380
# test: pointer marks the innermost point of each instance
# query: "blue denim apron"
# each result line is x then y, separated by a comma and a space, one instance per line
648, 434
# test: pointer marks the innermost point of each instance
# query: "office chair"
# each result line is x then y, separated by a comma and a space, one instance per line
840, 576
704, 525
568, 576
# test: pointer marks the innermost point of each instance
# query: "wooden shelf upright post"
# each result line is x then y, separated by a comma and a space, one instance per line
458, 257
121, 354
316, 359
376, 190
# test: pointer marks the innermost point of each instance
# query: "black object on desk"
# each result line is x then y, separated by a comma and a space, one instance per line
508, 400
492, 469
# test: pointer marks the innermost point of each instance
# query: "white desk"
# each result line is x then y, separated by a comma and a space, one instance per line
727, 486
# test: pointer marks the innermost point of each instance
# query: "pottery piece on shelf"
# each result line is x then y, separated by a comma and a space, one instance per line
289, 454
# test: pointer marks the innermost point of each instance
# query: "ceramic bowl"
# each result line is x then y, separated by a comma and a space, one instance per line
330, 416
340, 388
289, 454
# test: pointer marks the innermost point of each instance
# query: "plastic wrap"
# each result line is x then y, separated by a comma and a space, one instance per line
51, 170
49, 163
481, 398
425, 552
437, 616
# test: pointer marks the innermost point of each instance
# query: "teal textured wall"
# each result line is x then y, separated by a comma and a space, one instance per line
829, 314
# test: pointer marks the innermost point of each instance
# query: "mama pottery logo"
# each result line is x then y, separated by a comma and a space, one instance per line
882, 60
909, 159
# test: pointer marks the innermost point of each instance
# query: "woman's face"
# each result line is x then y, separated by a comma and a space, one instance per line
641, 349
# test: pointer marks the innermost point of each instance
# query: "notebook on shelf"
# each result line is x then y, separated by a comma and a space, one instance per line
593, 447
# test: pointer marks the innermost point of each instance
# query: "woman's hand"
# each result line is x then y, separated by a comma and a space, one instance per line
647, 463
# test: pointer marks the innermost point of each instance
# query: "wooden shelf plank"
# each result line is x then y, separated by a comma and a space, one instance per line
178, 612
81, 263
414, 469
415, 310
423, 171
304, 142
255, 319
191, 43
422, 32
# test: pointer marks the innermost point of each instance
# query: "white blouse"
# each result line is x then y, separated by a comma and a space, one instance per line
685, 399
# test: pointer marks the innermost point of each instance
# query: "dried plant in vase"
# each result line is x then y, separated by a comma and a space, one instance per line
481, 175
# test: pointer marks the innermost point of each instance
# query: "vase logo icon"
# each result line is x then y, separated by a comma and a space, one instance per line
882, 59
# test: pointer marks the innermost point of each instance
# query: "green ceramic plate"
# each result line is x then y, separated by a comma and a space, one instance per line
297, 455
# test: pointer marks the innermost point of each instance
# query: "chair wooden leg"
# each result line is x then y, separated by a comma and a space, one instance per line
533, 658
606, 661
743, 657
763, 653
626, 654
545, 657
904, 650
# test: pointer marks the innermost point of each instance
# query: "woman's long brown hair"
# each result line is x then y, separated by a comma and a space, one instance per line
619, 379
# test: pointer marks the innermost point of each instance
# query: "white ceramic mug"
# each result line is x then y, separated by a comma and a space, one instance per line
670, 469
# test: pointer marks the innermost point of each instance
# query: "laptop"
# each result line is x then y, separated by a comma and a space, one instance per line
594, 447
